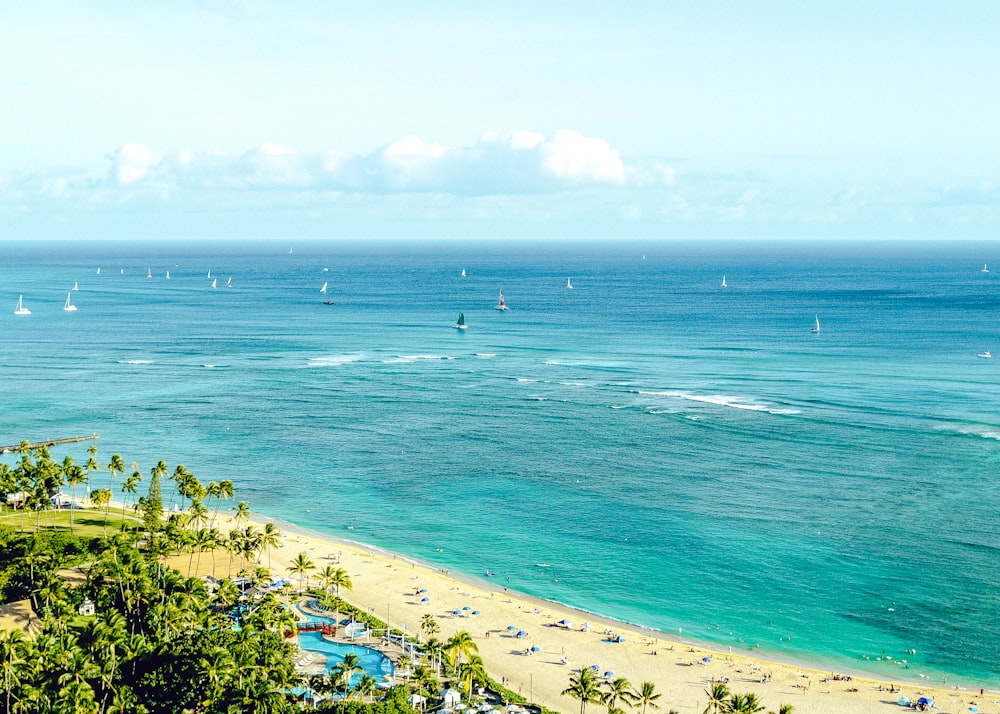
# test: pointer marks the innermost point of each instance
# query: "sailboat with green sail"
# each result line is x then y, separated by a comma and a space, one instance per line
460, 325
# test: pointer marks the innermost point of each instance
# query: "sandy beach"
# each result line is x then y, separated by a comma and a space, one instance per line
386, 585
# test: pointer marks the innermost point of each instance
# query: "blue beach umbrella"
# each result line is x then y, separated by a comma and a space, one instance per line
511, 628
595, 667
425, 599
422, 590
706, 660
475, 612
456, 612
522, 633
466, 608
536, 648
609, 674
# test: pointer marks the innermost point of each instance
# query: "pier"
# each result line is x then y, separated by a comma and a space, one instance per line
51, 442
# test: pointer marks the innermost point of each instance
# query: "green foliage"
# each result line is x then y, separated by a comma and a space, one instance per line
394, 702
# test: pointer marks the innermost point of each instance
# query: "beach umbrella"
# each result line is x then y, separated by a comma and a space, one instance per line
609, 674
536, 648
425, 599
595, 667
456, 612
706, 660
466, 608
511, 628
421, 590
565, 623
475, 612
522, 633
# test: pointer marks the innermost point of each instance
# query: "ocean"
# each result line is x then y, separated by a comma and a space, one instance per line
648, 445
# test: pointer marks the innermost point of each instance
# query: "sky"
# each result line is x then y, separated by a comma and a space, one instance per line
235, 119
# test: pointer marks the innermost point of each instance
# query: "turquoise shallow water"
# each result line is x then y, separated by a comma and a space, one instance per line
679, 455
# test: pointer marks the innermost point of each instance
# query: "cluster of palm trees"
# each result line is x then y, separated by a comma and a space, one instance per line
722, 701
338, 681
588, 688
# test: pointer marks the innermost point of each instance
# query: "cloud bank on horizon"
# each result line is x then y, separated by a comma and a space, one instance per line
242, 118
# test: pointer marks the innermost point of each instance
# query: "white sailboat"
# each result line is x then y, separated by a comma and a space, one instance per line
501, 305
724, 282
985, 355
229, 283
76, 285
149, 272
463, 272
323, 289
210, 272
816, 327
98, 270
69, 307
985, 269
168, 275
569, 285
214, 283
21, 309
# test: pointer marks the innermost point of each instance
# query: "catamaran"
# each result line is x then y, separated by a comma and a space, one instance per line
569, 285
816, 327
724, 281
69, 307
460, 325
463, 272
323, 289
985, 269
76, 285
501, 305
21, 309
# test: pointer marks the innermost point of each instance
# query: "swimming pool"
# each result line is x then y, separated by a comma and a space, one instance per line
373, 662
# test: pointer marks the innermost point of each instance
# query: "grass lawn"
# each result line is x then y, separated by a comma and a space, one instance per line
87, 522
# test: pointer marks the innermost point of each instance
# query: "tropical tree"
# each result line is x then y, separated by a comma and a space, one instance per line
718, 696
344, 670
744, 704
102, 497
131, 485
428, 625
585, 687
301, 566
13, 650
435, 650
472, 672
461, 643
784, 709
115, 466
270, 537
75, 476
647, 696
618, 689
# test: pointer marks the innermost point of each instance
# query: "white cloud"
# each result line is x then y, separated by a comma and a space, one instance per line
578, 158
132, 162
498, 163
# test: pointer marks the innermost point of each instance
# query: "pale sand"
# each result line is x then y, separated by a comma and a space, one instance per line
386, 585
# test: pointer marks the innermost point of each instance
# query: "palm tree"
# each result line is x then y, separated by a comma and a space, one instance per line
92, 464
344, 670
301, 566
472, 672
615, 690
585, 687
340, 579
435, 649
784, 709
102, 497
115, 466
718, 695
744, 704
367, 687
461, 643
131, 485
647, 696
270, 537
75, 476
13, 646
428, 625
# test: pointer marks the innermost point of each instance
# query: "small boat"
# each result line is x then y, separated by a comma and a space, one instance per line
463, 272
215, 283
724, 282
328, 302
69, 307
985, 355
985, 269
149, 272
816, 327
76, 285
98, 270
501, 305
122, 271
168, 275
460, 325
569, 285
21, 309
290, 251
323, 289
229, 283
209, 273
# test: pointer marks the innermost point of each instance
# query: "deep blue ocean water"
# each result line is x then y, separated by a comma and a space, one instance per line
679, 454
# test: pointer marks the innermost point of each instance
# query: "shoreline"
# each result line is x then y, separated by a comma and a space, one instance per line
385, 583
815, 664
